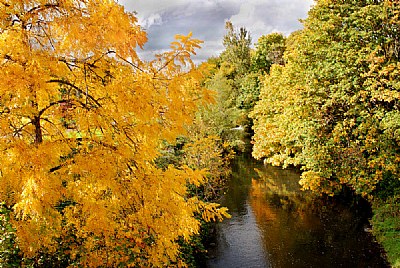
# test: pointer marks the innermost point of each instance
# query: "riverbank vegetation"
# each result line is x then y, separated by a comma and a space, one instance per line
332, 108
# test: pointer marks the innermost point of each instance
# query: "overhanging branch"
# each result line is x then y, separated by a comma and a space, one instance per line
64, 82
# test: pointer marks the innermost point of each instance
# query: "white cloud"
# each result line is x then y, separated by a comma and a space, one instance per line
146, 8
264, 17
246, 11
153, 19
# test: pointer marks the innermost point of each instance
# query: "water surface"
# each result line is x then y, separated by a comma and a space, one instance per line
274, 224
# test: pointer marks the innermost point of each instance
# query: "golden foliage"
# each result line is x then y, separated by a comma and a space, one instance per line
209, 154
81, 119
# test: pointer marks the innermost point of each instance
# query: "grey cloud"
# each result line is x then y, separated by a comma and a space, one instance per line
206, 24
206, 19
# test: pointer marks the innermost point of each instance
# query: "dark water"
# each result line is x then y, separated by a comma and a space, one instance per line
274, 224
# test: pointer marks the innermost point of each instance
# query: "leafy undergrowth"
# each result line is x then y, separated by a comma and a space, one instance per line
386, 228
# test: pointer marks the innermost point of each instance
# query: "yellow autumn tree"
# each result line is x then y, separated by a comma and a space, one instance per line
81, 119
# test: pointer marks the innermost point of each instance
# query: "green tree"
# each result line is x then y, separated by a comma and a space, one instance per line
269, 50
223, 115
235, 66
237, 50
343, 69
280, 118
249, 91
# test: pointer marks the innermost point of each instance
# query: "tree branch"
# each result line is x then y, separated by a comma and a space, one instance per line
60, 81
130, 63
43, 7
50, 105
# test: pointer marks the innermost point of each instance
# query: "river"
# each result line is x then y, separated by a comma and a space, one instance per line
275, 224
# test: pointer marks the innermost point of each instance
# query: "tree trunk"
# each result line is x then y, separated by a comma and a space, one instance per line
38, 130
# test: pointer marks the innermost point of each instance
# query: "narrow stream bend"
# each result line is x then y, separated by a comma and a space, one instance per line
274, 224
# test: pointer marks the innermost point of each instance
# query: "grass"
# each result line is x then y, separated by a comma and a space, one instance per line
386, 228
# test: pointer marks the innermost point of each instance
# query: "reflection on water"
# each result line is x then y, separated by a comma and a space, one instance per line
274, 224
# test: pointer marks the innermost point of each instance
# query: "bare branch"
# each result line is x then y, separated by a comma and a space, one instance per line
130, 63
43, 7
17, 130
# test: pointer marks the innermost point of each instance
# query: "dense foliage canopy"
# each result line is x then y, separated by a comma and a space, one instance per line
81, 122
334, 107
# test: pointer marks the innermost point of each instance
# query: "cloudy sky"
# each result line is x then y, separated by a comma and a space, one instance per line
162, 19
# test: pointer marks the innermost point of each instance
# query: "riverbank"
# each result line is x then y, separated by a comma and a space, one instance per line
386, 228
